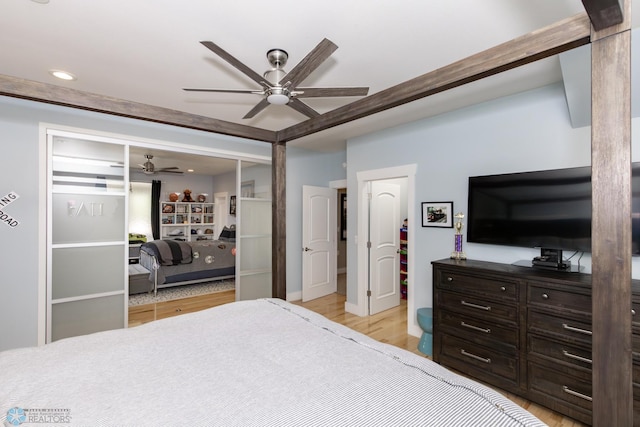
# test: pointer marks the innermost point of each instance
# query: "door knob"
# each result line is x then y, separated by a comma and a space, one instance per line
307, 249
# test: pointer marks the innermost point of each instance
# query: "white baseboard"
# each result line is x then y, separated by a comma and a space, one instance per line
354, 309
294, 296
414, 330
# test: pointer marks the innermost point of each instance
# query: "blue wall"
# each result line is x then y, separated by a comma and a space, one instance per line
19, 172
524, 132
529, 131
305, 167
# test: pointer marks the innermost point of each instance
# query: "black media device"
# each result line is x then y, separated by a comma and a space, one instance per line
550, 210
551, 258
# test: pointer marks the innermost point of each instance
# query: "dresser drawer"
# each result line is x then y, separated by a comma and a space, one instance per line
479, 331
571, 355
558, 390
542, 295
560, 327
636, 405
635, 313
477, 307
478, 361
478, 285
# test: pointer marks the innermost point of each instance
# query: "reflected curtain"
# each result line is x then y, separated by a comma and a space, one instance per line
155, 208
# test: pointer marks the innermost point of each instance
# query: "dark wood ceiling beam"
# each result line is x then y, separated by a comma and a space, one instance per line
551, 40
603, 13
58, 95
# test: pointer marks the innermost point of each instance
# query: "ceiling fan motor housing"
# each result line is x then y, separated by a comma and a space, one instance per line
277, 58
148, 167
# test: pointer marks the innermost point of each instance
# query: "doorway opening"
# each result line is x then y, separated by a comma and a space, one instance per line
341, 242
85, 191
377, 266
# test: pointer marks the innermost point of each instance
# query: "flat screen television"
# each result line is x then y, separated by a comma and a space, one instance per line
542, 209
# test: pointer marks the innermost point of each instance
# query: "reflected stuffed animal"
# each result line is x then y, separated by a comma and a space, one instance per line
187, 196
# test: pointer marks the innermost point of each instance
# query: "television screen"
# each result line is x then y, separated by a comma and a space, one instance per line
542, 209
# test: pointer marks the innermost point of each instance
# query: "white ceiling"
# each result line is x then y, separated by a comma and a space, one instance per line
147, 51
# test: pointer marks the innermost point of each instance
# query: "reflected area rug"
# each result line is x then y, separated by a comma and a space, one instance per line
184, 291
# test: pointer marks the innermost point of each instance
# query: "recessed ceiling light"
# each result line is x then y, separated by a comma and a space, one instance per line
190, 170
62, 74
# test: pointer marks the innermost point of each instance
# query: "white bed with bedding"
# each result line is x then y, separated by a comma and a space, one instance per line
250, 363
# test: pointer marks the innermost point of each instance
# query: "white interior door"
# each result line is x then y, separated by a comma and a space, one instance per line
221, 207
384, 269
319, 229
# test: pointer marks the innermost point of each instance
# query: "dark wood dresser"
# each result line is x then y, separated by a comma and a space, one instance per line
524, 330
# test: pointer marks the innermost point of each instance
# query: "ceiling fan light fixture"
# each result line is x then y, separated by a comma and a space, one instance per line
278, 99
278, 96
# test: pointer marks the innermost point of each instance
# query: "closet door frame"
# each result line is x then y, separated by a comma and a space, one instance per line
130, 141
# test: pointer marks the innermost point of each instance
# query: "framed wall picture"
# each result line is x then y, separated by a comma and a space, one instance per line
437, 214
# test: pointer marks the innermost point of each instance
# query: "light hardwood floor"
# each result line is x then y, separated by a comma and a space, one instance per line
389, 327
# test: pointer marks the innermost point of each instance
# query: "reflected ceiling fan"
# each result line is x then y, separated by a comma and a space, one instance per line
150, 169
281, 88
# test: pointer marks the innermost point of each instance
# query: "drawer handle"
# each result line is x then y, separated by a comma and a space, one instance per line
481, 307
503, 289
633, 312
575, 393
572, 329
576, 357
476, 328
545, 296
449, 279
473, 356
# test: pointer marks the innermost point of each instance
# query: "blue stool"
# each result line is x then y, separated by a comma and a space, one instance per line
425, 320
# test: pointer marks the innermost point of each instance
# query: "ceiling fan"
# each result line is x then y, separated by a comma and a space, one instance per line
150, 169
281, 88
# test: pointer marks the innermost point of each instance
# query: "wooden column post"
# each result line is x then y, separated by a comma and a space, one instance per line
278, 221
611, 228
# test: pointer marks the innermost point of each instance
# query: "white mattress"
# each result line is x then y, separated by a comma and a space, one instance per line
252, 363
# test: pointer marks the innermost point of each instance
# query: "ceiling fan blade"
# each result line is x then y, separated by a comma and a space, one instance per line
255, 110
257, 92
235, 62
169, 168
169, 171
313, 92
309, 63
303, 108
